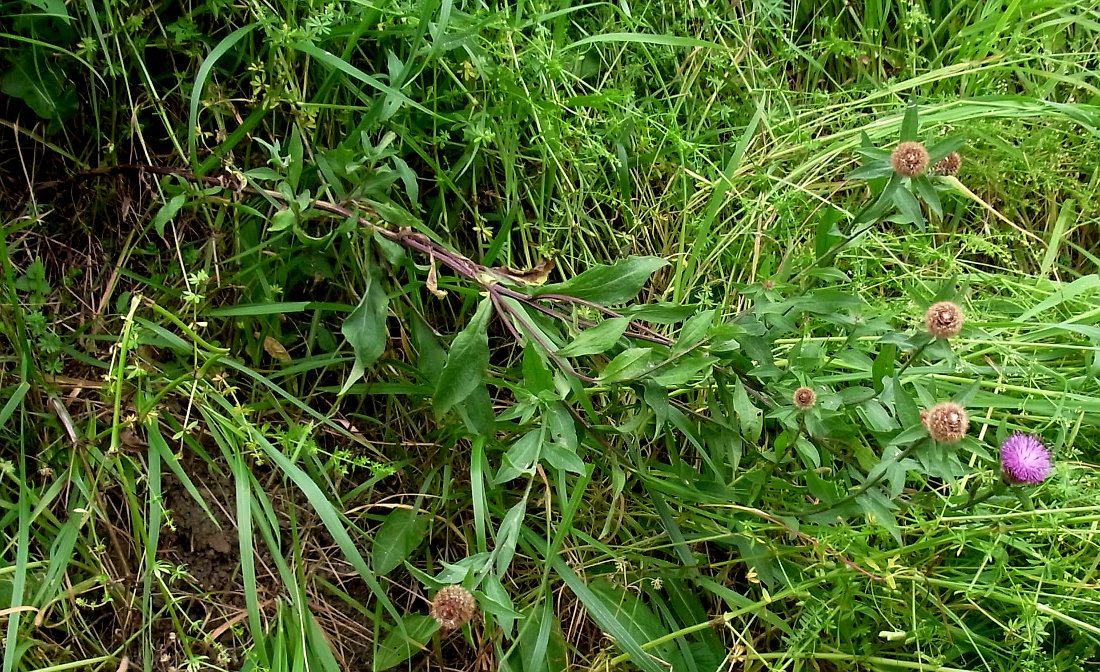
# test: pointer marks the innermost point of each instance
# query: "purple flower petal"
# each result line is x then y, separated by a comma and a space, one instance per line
1025, 459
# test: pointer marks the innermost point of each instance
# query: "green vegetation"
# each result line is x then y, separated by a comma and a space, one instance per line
313, 309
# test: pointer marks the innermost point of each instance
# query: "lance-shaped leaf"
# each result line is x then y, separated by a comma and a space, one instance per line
598, 339
618, 283
365, 328
467, 361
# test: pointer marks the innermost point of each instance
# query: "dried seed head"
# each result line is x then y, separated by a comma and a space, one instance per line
910, 159
950, 164
944, 319
453, 607
946, 422
718, 623
804, 398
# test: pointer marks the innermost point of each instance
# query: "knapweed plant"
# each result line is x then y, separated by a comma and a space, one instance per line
807, 409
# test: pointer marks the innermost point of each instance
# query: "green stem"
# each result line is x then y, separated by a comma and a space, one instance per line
119, 371
168, 315
199, 375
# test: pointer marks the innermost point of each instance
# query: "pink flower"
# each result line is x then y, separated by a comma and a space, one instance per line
1025, 459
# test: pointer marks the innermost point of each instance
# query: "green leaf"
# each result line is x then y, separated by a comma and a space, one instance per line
53, 8
494, 599
561, 426
263, 173
647, 38
562, 459
401, 533
909, 124
598, 339
808, 452
694, 331
884, 364
167, 212
1066, 215
476, 412
542, 647
400, 646
876, 416
929, 195
665, 312
856, 394
467, 361
871, 171
880, 205
408, 178
905, 408
521, 457
365, 328
431, 358
33, 79
618, 283
537, 378
638, 618
944, 147
628, 365
507, 536
749, 416
684, 370
282, 220
827, 231
294, 153
909, 207
319, 651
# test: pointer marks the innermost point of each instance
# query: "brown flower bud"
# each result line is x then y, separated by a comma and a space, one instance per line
950, 164
944, 319
946, 422
910, 159
453, 607
804, 398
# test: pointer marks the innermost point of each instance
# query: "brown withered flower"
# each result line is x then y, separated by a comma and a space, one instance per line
949, 165
453, 607
804, 398
910, 159
944, 319
946, 422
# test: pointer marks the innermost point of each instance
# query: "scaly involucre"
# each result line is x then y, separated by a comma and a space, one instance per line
946, 422
453, 607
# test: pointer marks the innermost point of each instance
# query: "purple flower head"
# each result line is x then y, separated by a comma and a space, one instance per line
1025, 459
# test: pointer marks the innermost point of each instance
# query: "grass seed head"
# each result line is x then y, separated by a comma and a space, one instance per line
910, 159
